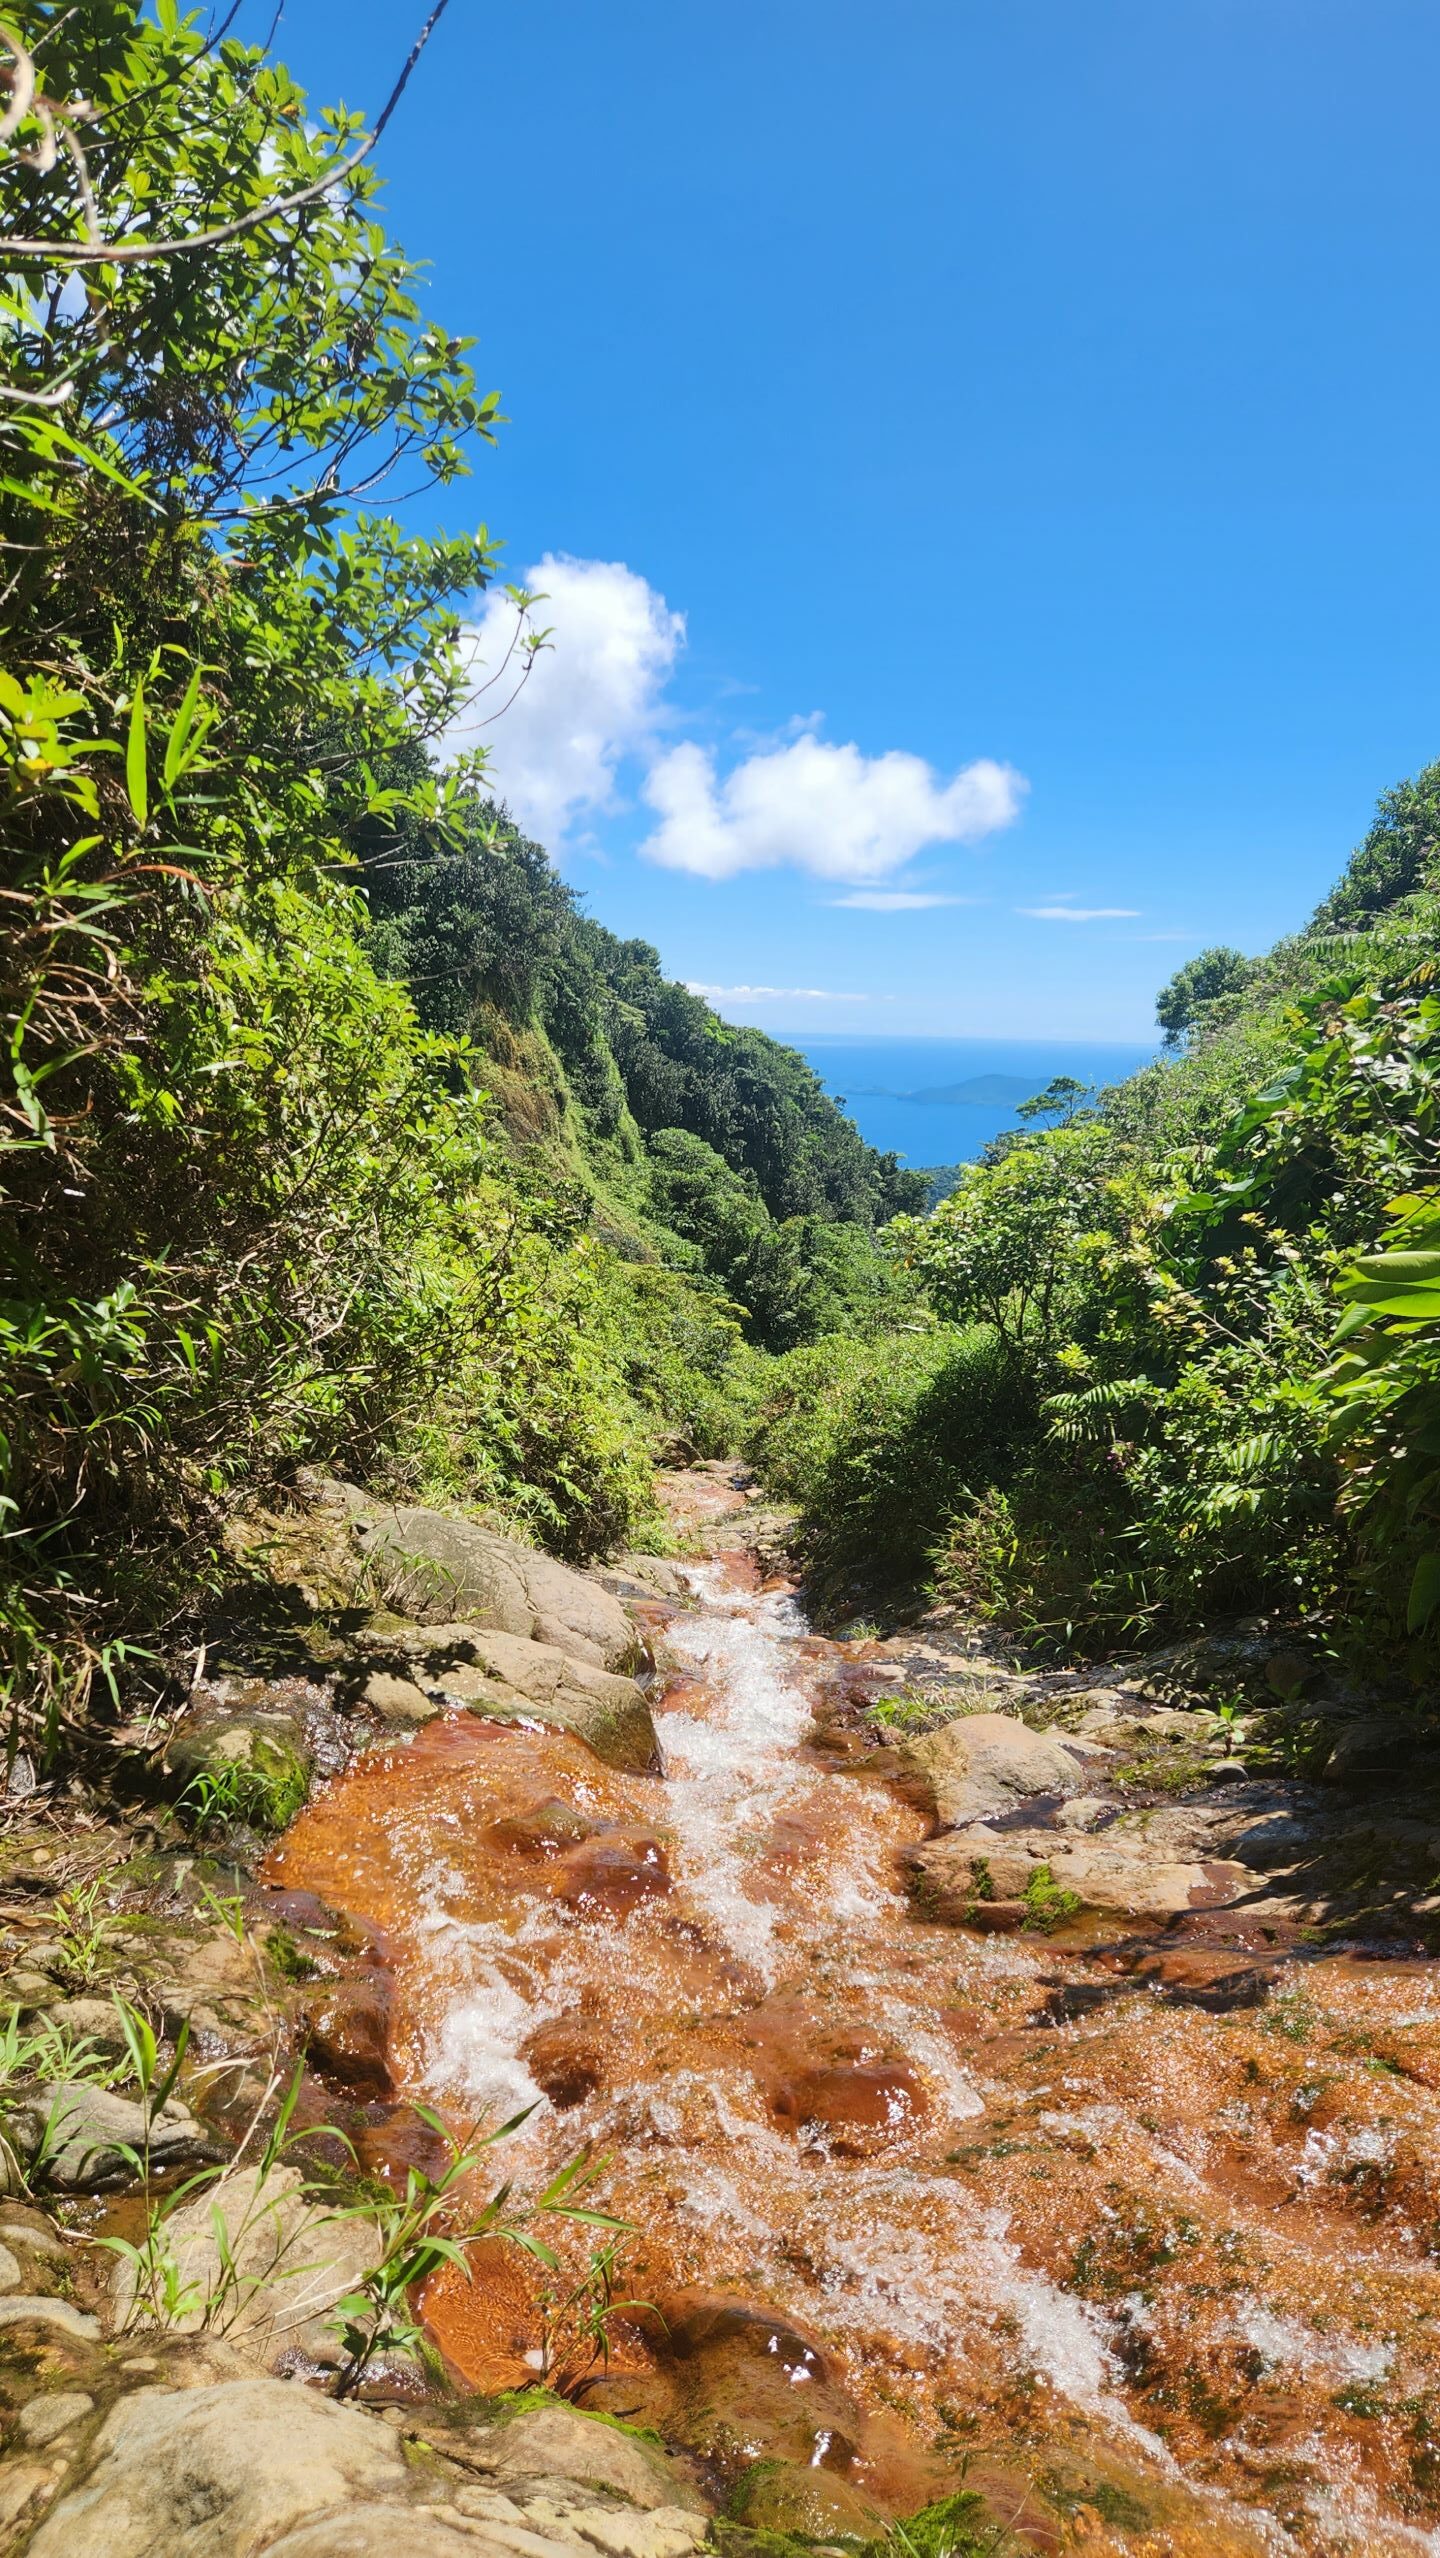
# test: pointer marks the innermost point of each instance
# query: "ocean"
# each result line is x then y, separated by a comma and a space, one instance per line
938, 1101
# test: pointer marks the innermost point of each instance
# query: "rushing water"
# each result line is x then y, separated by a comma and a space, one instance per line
1158, 2280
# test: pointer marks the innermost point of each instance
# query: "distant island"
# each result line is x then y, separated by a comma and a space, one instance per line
994, 1092
999, 1092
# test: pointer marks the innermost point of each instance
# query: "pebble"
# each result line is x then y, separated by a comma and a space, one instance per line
47, 2417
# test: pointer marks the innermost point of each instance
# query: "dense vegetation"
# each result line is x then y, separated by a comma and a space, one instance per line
332, 1131
1186, 1357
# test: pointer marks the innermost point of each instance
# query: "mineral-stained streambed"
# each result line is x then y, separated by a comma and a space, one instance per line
1139, 2237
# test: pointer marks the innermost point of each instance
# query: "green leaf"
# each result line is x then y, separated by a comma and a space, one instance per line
136, 782
179, 737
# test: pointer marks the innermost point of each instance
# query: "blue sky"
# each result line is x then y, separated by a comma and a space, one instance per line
988, 454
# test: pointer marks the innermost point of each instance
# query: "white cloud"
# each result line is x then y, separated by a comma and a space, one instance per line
1079, 914
771, 994
590, 725
895, 901
828, 809
593, 697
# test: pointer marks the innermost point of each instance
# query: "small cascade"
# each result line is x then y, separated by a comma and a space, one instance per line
893, 2226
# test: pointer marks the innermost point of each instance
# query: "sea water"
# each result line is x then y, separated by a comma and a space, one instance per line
938, 1101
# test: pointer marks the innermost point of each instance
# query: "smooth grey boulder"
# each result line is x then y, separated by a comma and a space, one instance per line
432, 1565
989, 1763
512, 1679
222, 2472
83, 2140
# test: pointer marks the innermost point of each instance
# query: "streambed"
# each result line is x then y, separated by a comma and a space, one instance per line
1154, 2275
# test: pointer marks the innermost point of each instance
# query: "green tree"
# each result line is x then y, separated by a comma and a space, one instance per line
1183, 1006
1396, 857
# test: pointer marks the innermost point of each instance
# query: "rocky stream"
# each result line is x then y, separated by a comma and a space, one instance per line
1018, 2093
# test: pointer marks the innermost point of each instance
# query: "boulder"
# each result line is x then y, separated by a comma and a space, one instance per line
83, 2140
560, 2442
988, 1763
432, 1565
223, 2472
514, 1679
289, 2263
1377, 1747
256, 1765
398, 1700
959, 1877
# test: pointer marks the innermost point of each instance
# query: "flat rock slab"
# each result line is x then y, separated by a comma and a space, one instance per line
222, 2472
432, 1565
983, 1763
960, 1876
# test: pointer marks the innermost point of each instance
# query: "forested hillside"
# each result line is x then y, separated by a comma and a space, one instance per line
333, 1131
1186, 1349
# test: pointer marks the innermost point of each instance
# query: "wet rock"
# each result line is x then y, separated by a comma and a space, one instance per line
401, 2139
1192, 1976
778, 2495
285, 2264
221, 2471
513, 1679
614, 1870
560, 2442
435, 1565
752, 2387
398, 1700
983, 1763
83, 2140
566, 2057
860, 2106
47, 2417
347, 2028
543, 1829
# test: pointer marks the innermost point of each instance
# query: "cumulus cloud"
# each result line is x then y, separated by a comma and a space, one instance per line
895, 901
1079, 914
771, 994
594, 697
593, 725
823, 808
